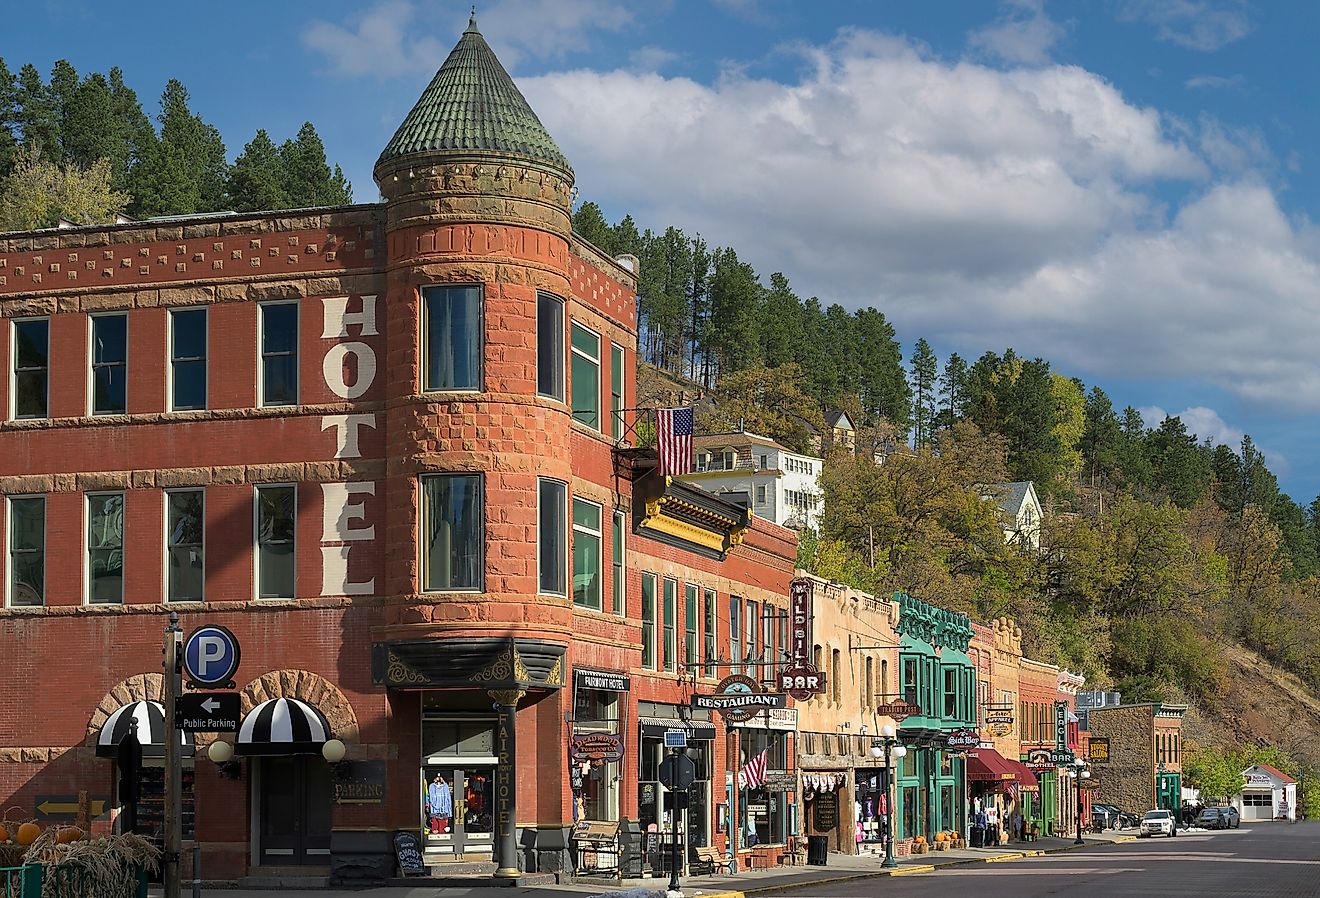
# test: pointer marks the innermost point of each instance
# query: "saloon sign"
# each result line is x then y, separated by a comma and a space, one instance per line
738, 698
960, 740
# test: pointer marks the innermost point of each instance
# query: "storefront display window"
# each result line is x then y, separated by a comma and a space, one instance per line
655, 805
766, 813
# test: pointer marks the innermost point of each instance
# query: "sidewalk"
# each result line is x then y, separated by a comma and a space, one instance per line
752, 882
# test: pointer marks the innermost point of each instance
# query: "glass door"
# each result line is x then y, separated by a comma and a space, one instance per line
458, 811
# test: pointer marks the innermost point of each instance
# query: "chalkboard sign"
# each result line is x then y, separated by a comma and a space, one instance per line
408, 851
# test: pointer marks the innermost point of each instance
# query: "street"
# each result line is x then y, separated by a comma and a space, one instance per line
1274, 859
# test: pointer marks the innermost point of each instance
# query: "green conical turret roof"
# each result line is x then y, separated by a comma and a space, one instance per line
473, 104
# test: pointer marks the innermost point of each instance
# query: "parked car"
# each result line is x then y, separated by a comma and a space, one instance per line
1104, 816
1158, 821
1219, 818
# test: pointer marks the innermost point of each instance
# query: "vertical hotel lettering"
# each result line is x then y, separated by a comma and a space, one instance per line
345, 509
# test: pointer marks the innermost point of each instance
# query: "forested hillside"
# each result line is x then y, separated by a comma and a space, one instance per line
81, 148
1161, 551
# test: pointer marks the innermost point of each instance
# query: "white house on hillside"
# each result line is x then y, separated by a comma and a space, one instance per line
777, 484
1020, 510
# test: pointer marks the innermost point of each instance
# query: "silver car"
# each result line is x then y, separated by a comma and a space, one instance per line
1158, 821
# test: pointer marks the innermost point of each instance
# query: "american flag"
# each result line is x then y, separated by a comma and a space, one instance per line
753, 775
673, 428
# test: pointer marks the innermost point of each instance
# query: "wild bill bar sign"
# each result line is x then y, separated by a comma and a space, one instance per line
738, 698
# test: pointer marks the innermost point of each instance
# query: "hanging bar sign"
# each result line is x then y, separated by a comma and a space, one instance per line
800, 617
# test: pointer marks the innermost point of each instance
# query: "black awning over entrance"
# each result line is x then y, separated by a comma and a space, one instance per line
469, 663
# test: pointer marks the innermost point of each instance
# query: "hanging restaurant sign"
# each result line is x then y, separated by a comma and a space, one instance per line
738, 697
597, 748
898, 710
959, 740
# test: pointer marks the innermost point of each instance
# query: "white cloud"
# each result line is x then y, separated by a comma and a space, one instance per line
650, 59
384, 41
1201, 422
1024, 33
1030, 208
1214, 81
1203, 25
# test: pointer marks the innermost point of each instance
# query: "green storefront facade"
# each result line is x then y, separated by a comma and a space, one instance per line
936, 674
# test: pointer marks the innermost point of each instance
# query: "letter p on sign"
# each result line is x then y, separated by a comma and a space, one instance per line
210, 656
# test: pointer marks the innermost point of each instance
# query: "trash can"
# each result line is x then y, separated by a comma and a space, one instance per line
978, 837
818, 850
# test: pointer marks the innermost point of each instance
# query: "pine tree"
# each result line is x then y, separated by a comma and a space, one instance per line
133, 126
953, 390
699, 366
735, 295
63, 87
308, 179
257, 177
589, 223
1100, 441
883, 388
9, 123
184, 171
38, 118
925, 367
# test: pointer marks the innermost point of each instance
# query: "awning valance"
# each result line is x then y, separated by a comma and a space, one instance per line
988, 766
150, 719
282, 726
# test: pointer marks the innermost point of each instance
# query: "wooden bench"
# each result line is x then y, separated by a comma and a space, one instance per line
709, 860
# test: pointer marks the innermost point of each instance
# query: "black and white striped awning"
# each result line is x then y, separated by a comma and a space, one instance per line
150, 719
282, 726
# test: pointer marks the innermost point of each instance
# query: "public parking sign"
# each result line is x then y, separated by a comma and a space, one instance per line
210, 657
208, 712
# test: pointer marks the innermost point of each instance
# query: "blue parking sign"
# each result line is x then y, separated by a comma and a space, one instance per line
210, 657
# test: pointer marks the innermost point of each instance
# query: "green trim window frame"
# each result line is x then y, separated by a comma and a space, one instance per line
690, 622
105, 548
585, 375
735, 634
30, 384
648, 621
616, 391
552, 541
911, 680
950, 707
452, 532
550, 346
619, 595
278, 341
275, 520
26, 580
452, 337
109, 364
185, 545
188, 330
752, 628
671, 624
587, 537
710, 598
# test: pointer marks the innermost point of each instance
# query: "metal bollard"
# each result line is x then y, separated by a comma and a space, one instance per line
197, 870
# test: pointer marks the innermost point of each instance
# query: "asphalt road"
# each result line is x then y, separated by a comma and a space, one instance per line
1278, 860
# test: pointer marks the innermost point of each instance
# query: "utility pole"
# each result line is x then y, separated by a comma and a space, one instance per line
173, 762
674, 855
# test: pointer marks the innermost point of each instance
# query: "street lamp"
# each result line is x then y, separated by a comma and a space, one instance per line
1077, 770
887, 747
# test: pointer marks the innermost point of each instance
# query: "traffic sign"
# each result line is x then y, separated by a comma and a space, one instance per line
675, 739
678, 772
210, 657
207, 712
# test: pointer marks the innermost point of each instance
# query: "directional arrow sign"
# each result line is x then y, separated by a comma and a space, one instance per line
208, 712
67, 806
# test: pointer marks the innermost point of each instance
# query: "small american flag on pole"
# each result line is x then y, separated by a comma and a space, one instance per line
753, 774
673, 431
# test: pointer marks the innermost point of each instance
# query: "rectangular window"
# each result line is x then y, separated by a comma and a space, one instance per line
671, 635
109, 364
735, 634
690, 621
31, 355
185, 515
709, 632
27, 551
768, 637
187, 359
586, 376
910, 680
753, 622
950, 693
620, 535
552, 514
586, 554
105, 548
616, 391
453, 530
550, 346
276, 568
760, 494
279, 353
648, 621
451, 334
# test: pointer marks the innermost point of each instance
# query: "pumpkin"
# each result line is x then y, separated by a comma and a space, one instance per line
921, 840
27, 834
67, 834
941, 837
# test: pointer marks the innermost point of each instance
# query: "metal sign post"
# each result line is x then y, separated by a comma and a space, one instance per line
173, 762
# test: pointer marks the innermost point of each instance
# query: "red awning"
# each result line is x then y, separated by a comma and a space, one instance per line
1025, 777
989, 766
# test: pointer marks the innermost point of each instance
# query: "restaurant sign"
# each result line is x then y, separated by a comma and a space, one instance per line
960, 740
596, 748
738, 698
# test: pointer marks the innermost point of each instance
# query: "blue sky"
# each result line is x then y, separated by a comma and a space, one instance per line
1123, 187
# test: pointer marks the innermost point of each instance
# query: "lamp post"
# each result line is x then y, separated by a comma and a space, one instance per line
1077, 770
887, 747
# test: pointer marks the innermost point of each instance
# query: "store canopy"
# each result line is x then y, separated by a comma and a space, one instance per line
150, 720
282, 726
1025, 777
986, 765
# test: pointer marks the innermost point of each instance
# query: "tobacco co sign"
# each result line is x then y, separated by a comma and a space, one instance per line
739, 698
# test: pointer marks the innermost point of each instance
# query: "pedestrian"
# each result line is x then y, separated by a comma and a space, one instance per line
978, 828
1017, 825
992, 824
